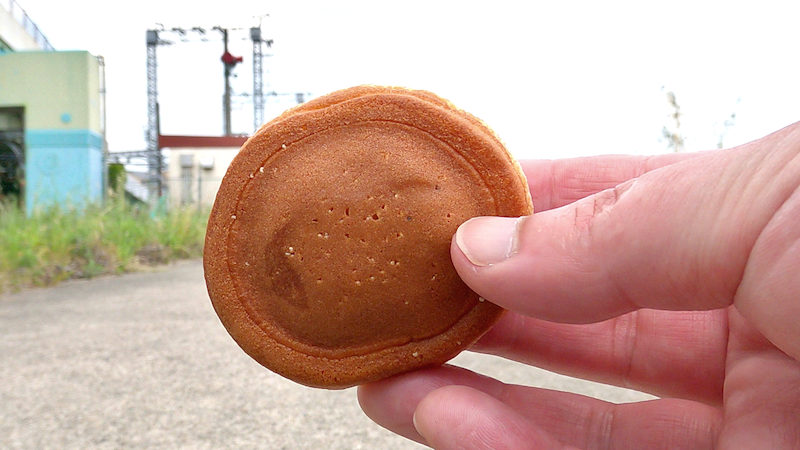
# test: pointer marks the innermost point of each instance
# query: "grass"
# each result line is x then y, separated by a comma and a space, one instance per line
56, 244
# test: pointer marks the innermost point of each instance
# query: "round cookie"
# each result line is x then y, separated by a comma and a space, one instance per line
327, 253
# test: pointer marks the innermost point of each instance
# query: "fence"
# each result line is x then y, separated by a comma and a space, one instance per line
189, 189
192, 189
27, 24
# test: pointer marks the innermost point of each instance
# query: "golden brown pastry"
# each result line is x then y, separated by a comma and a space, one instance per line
327, 255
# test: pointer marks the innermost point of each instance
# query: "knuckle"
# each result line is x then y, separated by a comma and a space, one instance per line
590, 210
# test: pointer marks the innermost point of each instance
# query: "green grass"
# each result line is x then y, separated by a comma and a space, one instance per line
56, 244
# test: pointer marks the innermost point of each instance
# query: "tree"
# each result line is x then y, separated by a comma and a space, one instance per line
672, 135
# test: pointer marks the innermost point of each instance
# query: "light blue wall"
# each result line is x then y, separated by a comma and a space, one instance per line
62, 167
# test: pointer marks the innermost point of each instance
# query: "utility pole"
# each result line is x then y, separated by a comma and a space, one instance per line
226, 99
229, 62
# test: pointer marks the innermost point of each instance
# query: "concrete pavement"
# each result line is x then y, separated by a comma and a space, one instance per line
141, 360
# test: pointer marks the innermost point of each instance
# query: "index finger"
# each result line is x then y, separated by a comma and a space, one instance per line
555, 183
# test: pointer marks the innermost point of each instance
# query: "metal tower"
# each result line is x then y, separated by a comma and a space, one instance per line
258, 76
155, 163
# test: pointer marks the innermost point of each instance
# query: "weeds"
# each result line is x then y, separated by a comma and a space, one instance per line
59, 243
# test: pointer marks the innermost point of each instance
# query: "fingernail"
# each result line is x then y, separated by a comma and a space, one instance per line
488, 240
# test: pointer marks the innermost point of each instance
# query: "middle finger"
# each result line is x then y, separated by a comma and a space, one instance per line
665, 353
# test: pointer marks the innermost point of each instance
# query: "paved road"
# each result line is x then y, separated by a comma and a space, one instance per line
140, 360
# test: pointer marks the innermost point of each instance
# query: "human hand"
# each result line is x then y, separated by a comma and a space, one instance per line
677, 275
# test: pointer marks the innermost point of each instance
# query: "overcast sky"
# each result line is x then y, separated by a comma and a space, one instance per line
554, 79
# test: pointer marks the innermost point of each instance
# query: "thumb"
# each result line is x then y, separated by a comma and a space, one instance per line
676, 238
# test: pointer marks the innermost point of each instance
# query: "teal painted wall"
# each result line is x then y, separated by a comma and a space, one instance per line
63, 168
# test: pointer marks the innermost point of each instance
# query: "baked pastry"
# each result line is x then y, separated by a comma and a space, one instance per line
327, 254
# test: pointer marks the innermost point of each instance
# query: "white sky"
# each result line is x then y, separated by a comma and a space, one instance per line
554, 79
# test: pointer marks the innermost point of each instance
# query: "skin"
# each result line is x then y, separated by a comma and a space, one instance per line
677, 275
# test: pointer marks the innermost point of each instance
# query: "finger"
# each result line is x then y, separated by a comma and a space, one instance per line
555, 183
570, 419
540, 416
675, 238
665, 353
391, 402
761, 391
462, 417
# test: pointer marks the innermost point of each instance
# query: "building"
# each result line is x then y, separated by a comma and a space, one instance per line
196, 165
51, 118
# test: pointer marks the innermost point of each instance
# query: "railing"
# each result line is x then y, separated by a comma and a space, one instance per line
27, 24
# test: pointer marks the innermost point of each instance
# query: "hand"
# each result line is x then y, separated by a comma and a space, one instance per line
677, 275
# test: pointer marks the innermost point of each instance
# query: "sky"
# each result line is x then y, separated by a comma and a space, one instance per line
553, 79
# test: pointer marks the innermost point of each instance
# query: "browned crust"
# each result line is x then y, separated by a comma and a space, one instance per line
423, 110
